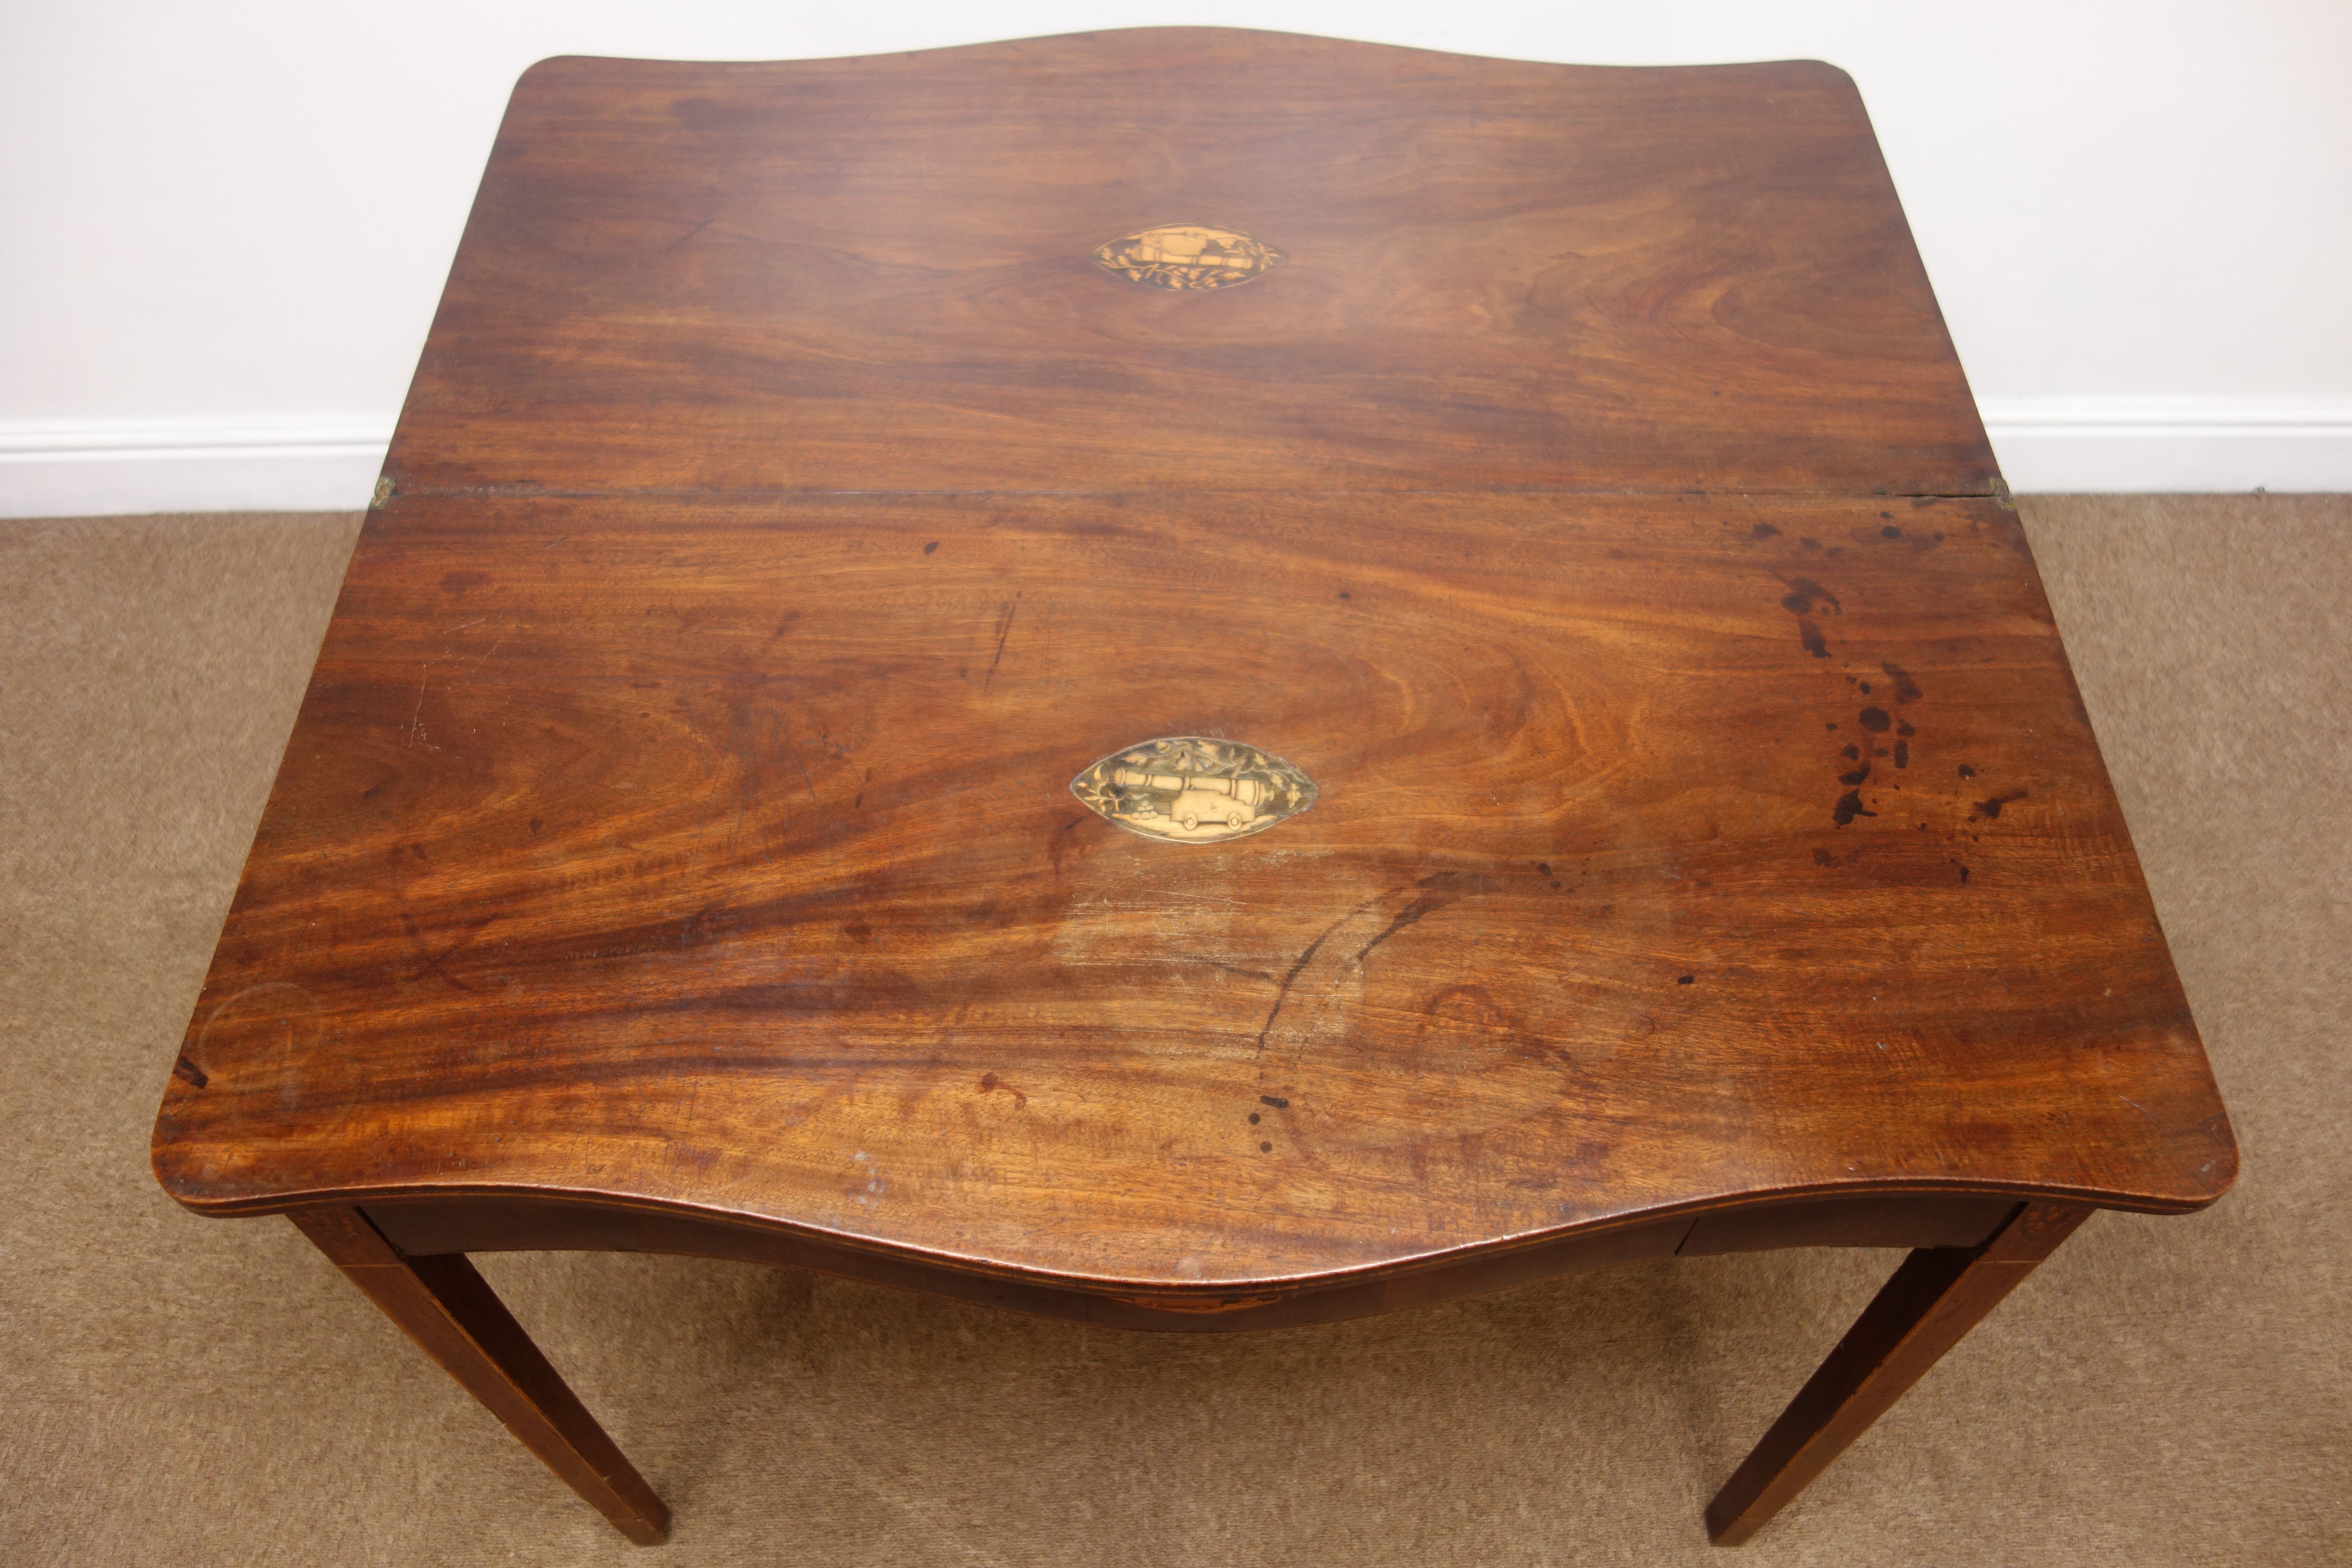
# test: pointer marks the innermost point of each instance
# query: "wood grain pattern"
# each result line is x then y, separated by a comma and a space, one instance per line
719, 855
879, 274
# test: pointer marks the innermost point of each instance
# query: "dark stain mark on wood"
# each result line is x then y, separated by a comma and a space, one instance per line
436, 962
1992, 807
1964, 875
1890, 532
1848, 807
934, 544
990, 1083
1906, 689
784, 627
1852, 753
1902, 729
1967, 771
1254, 1118
1824, 857
1765, 531
1876, 721
1902, 754
1273, 1099
1265, 1148
1811, 636
1243, 970
680, 241
1408, 915
1856, 777
1803, 590
189, 1073
1686, 979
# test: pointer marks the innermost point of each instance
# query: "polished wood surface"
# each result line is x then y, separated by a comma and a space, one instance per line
719, 855
1190, 679
881, 274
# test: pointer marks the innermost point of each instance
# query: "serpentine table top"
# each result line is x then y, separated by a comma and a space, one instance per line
1193, 678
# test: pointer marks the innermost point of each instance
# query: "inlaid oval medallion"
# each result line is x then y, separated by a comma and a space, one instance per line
1194, 789
1188, 256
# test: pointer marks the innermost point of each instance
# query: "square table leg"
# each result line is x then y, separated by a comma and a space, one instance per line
1933, 1300
448, 1309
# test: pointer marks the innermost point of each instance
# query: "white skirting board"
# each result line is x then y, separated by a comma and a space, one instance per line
2045, 445
2170, 445
93, 469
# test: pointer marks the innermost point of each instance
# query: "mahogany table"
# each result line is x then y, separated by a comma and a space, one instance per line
1193, 680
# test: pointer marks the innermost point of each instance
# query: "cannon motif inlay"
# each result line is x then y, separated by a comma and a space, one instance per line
1194, 789
1188, 256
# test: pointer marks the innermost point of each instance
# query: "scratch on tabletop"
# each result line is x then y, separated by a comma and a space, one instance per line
1283, 995
1003, 630
416, 719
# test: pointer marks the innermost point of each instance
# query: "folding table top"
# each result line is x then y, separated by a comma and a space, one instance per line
1188, 657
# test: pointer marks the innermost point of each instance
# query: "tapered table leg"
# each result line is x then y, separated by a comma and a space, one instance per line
449, 1310
1934, 1299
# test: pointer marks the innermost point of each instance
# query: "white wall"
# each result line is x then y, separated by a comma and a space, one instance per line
223, 227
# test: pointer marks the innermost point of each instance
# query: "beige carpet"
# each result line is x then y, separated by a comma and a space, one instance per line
185, 1392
